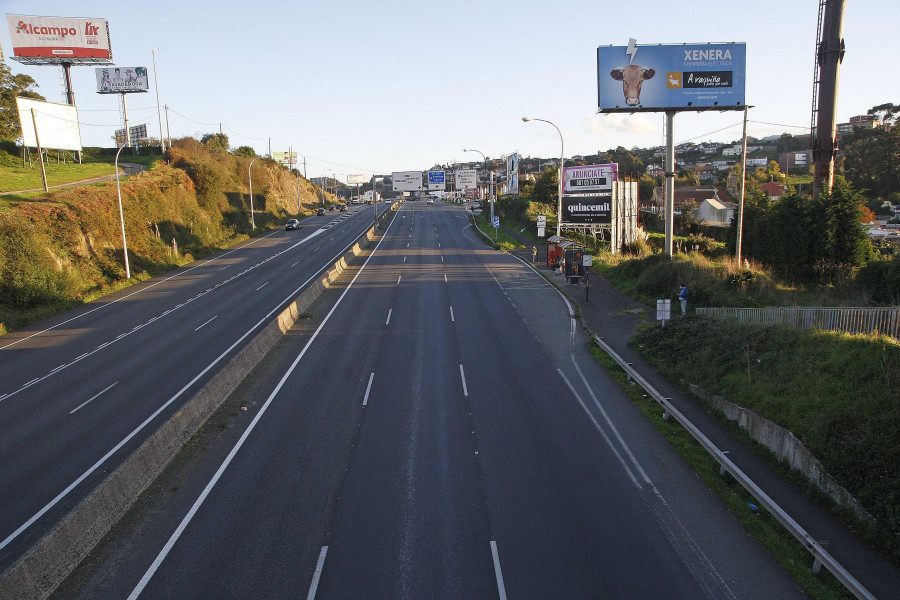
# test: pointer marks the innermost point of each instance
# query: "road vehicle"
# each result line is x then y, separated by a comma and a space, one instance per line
320, 212
292, 224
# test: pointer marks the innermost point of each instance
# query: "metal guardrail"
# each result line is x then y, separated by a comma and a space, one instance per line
820, 556
846, 319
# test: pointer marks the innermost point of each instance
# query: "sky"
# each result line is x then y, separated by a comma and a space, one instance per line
373, 87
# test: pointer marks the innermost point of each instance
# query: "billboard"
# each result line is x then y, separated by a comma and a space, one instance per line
466, 179
285, 158
512, 173
355, 179
121, 80
637, 78
407, 181
138, 132
55, 40
592, 179
587, 209
437, 180
57, 124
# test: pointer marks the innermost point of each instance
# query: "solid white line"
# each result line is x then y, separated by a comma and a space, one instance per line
262, 286
314, 584
451, 315
368, 389
388, 322
462, 374
62, 366
215, 479
500, 587
207, 323
92, 398
600, 430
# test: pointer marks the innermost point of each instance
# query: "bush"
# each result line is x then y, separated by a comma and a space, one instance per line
881, 280
29, 273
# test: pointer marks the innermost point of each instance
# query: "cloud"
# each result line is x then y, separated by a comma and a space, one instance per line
620, 123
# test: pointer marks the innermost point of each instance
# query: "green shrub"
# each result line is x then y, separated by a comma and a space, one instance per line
881, 280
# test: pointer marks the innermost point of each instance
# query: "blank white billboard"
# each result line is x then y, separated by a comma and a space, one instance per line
355, 178
407, 181
57, 124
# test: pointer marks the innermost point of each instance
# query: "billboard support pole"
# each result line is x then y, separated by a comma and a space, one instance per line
670, 181
162, 140
125, 112
40, 153
740, 215
70, 95
168, 132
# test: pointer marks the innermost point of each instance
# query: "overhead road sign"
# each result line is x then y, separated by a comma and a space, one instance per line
645, 78
591, 179
437, 180
466, 179
59, 40
407, 181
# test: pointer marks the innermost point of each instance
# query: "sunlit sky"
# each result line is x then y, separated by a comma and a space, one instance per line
363, 87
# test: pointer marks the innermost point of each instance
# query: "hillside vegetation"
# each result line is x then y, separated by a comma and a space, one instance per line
61, 248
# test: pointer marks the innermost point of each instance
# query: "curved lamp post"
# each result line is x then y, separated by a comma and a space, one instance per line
562, 154
122, 216
250, 175
484, 161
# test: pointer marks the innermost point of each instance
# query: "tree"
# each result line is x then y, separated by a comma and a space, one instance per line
215, 141
546, 188
10, 87
886, 113
247, 151
689, 177
870, 158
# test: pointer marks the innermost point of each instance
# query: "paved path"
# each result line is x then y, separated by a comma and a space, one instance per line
127, 168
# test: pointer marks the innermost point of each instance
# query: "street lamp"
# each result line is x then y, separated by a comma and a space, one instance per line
484, 161
562, 154
162, 142
250, 176
122, 215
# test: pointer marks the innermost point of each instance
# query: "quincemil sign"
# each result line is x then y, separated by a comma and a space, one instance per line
407, 181
579, 210
636, 78
592, 179
54, 40
466, 179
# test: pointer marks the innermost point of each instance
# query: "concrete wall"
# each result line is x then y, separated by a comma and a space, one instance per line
36, 574
786, 447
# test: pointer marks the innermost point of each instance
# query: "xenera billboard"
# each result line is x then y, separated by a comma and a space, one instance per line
407, 181
589, 180
43, 40
637, 78
121, 80
587, 209
466, 179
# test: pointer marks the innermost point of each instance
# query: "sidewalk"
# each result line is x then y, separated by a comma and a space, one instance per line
614, 316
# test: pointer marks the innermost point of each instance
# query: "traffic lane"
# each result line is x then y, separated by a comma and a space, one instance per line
410, 522
45, 458
285, 459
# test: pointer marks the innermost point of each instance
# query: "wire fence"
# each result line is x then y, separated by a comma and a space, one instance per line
846, 319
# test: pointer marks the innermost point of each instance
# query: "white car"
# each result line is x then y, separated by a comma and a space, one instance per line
429, 201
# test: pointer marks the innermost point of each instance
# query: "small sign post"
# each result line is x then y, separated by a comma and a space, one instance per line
663, 311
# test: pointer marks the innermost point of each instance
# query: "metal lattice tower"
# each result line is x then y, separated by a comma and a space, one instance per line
815, 94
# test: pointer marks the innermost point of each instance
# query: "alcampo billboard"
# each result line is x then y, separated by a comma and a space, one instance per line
53, 40
660, 77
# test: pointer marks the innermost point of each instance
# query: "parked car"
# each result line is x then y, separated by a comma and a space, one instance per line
320, 212
292, 224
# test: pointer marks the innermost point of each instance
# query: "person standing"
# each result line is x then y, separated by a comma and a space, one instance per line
683, 297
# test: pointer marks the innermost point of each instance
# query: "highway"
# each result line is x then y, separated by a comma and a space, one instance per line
80, 391
437, 429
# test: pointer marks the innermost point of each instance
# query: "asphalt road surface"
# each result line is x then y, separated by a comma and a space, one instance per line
438, 429
80, 391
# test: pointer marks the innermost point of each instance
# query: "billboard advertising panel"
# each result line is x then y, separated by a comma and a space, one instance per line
285, 158
437, 180
43, 40
591, 179
138, 132
57, 124
356, 179
638, 78
121, 80
579, 210
407, 181
512, 174
466, 179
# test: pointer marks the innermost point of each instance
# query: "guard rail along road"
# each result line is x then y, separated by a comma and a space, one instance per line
820, 556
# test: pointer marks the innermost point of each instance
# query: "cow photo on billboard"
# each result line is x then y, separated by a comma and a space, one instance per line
632, 78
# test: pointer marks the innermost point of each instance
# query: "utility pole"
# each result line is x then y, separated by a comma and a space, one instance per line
168, 132
829, 55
